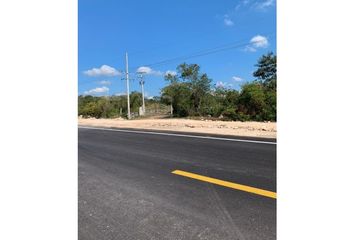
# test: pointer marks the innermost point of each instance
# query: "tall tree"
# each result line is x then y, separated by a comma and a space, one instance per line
252, 100
177, 94
199, 83
266, 72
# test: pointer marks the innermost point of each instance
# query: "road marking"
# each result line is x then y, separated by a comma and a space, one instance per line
227, 184
180, 135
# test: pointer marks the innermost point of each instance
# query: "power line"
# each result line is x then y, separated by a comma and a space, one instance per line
203, 52
169, 44
194, 55
225, 47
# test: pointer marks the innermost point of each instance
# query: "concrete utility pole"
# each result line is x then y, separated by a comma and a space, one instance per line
142, 90
127, 79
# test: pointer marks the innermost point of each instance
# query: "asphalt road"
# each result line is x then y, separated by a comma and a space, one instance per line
127, 190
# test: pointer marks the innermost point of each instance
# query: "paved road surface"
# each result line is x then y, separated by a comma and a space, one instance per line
127, 190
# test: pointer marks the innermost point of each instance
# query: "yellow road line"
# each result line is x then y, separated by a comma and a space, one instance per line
227, 184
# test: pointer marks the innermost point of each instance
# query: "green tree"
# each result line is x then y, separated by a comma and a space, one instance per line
91, 110
172, 78
119, 105
251, 101
135, 101
225, 102
266, 72
199, 84
190, 94
270, 110
211, 106
178, 94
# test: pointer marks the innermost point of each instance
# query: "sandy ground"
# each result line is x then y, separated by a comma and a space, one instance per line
252, 129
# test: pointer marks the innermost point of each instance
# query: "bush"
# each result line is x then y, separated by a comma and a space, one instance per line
230, 113
242, 117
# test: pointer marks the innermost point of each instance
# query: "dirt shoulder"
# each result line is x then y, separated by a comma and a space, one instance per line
250, 129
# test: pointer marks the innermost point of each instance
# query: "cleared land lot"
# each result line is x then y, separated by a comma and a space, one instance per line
251, 129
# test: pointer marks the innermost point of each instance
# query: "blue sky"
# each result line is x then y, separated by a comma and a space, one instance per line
156, 30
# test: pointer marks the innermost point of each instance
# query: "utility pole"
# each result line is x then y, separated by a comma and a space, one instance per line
142, 90
127, 79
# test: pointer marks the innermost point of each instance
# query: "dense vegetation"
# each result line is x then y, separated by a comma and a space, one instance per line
112, 106
191, 94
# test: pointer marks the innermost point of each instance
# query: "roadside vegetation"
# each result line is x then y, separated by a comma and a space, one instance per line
191, 95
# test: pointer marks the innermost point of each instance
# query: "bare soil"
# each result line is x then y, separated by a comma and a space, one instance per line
231, 128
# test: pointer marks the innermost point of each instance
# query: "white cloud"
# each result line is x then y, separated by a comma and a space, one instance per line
145, 70
149, 71
105, 82
120, 94
228, 22
245, 6
104, 70
98, 90
220, 84
241, 4
169, 72
263, 5
237, 79
259, 41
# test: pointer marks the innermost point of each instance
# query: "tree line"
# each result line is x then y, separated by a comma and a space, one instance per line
191, 93
112, 106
